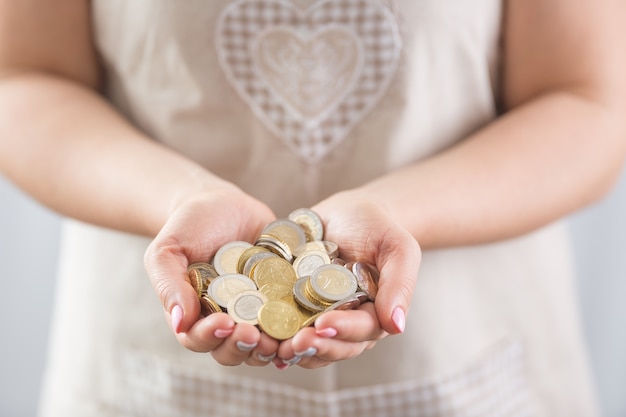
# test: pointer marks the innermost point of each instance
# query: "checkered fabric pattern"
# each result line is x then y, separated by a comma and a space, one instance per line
494, 386
311, 137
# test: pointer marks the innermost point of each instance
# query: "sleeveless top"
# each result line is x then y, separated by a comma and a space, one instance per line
293, 101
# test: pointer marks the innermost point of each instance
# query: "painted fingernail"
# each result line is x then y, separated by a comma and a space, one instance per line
292, 361
246, 347
398, 319
327, 332
307, 353
177, 317
282, 366
264, 358
222, 333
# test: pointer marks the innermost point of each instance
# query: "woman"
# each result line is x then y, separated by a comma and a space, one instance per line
171, 129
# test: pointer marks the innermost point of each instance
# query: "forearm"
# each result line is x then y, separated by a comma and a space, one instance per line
541, 161
70, 150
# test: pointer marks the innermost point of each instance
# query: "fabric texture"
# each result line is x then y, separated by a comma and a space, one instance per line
293, 101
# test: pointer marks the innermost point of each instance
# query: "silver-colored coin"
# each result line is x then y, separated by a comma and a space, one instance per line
308, 262
244, 306
227, 257
333, 282
310, 222
223, 288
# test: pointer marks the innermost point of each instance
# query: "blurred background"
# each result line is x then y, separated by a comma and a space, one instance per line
28, 253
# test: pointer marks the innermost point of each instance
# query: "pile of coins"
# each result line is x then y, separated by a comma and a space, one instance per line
283, 281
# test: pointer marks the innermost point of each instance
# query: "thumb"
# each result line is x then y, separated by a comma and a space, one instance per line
399, 261
166, 265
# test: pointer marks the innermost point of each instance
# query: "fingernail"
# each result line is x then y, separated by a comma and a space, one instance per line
398, 319
266, 358
292, 361
307, 353
282, 366
246, 347
177, 317
327, 332
222, 333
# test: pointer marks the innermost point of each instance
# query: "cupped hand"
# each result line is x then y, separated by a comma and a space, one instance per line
365, 231
194, 231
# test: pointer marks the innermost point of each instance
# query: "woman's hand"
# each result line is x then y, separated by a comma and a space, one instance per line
364, 231
195, 230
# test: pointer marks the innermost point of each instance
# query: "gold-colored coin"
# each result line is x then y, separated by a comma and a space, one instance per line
208, 306
276, 290
195, 279
206, 270
247, 254
274, 270
279, 320
244, 307
251, 263
310, 222
333, 282
227, 257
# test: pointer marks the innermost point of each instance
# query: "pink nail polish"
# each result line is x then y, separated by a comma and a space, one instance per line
222, 333
176, 317
398, 319
327, 332
282, 366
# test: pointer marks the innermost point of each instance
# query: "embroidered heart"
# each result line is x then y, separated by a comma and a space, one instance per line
309, 74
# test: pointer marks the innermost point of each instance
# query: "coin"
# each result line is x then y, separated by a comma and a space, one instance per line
247, 254
331, 248
279, 320
206, 270
276, 290
244, 306
208, 306
305, 264
286, 231
274, 270
367, 279
225, 287
227, 257
251, 263
310, 222
195, 279
275, 245
333, 282
299, 294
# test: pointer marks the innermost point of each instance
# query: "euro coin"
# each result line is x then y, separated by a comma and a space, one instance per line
223, 288
310, 222
244, 306
333, 282
227, 257
279, 320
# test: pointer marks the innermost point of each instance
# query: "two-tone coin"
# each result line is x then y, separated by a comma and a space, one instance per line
226, 258
223, 288
244, 306
308, 262
310, 222
333, 282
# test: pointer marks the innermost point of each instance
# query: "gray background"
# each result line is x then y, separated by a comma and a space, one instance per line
28, 252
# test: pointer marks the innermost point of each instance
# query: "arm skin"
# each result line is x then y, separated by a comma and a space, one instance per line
559, 146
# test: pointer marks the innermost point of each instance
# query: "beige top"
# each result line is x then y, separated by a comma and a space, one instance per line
295, 100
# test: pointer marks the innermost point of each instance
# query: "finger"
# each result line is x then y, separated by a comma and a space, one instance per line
264, 352
317, 351
398, 258
166, 265
207, 333
351, 326
237, 347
